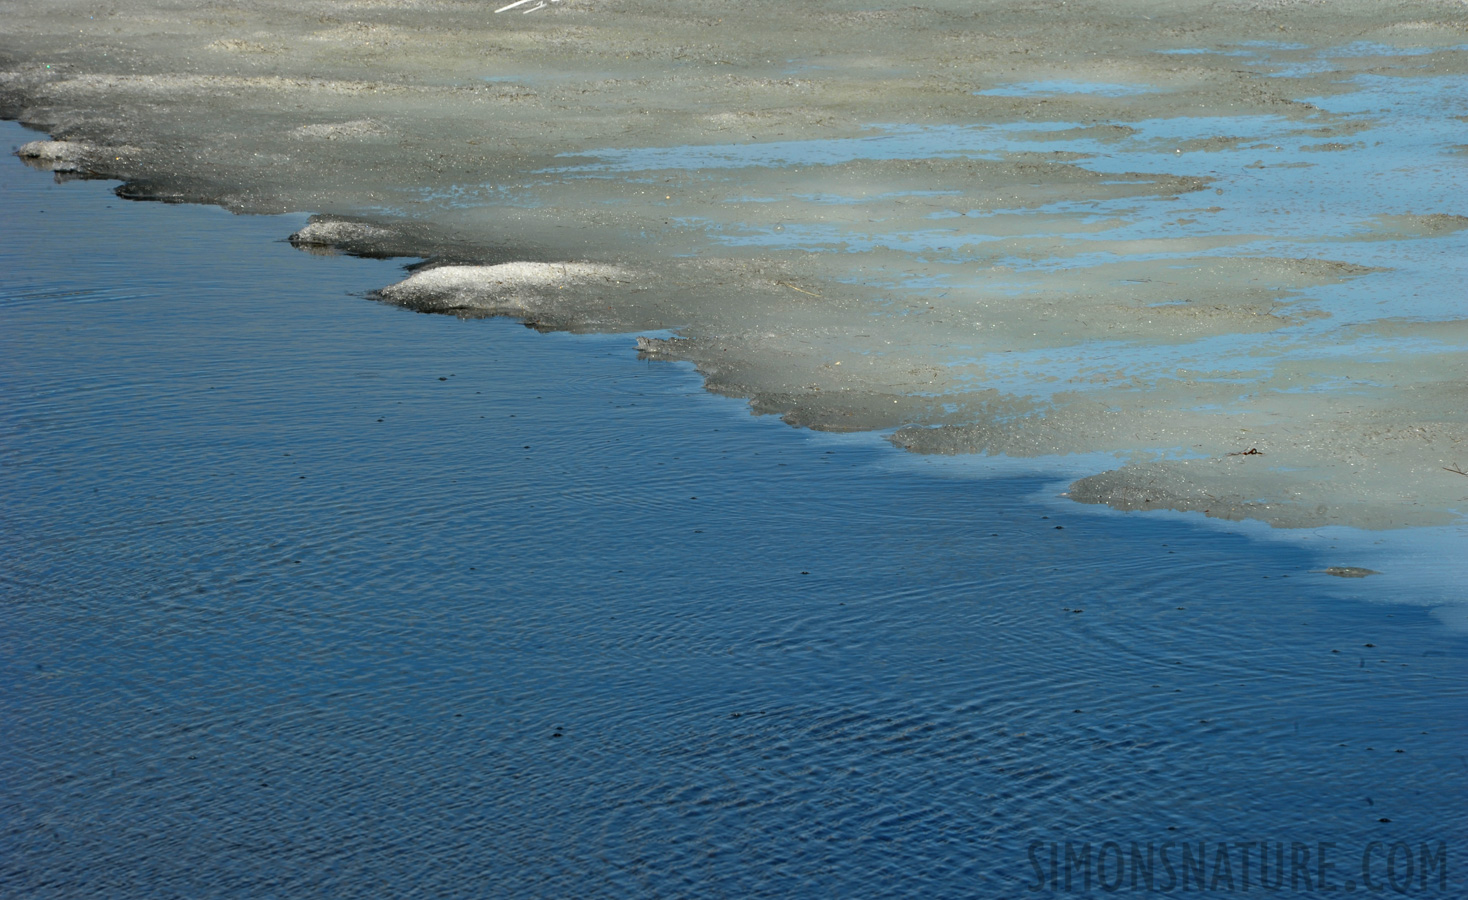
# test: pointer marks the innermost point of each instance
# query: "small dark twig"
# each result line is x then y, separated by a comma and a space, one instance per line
1252, 451
1455, 468
794, 288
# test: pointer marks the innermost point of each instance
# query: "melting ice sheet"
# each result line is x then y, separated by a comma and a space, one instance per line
304, 596
1280, 302
1226, 270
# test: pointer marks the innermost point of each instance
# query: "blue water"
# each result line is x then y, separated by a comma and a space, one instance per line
305, 595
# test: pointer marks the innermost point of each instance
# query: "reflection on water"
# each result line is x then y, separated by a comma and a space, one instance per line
306, 595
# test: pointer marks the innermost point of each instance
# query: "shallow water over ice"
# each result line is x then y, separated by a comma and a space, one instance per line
1253, 260
306, 595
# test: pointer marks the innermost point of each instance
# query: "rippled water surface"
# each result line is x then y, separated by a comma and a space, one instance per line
305, 595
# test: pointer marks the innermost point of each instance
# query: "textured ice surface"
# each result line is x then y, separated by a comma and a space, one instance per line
516, 288
1174, 233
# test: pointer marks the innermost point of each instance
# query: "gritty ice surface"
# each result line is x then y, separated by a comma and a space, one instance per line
1220, 244
338, 233
514, 288
53, 153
